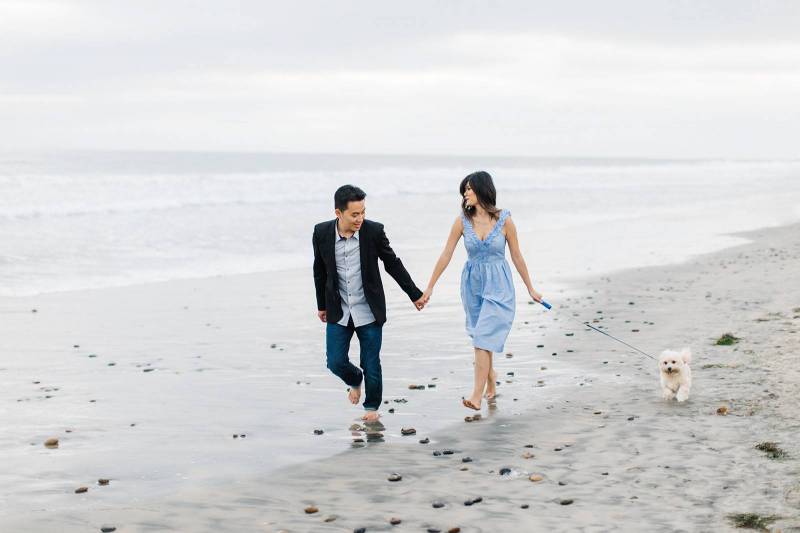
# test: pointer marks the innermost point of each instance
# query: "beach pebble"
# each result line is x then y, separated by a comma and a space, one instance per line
536, 478
448, 452
524, 506
81, 490
466, 459
108, 529
540, 345
566, 502
529, 445
562, 483
528, 455
52, 442
360, 530
395, 477
426, 440
408, 431
330, 518
148, 369
391, 411
454, 530
722, 410
630, 418
316, 432
416, 387
437, 505
473, 501
311, 509
395, 521
103, 482
505, 471
437, 453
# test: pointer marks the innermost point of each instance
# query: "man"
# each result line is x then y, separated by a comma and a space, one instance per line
350, 293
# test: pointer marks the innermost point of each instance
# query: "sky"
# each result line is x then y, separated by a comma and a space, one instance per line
571, 78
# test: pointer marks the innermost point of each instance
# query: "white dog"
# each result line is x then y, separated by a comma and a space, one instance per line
676, 376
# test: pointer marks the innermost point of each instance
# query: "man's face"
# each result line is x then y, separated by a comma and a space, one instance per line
351, 218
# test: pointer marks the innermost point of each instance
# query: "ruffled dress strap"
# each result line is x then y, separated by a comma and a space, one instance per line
498, 226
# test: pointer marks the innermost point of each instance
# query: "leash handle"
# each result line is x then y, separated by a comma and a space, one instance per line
546, 305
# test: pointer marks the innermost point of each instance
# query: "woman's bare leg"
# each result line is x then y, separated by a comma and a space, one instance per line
483, 361
491, 381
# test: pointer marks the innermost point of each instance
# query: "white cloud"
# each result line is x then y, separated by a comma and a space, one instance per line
146, 78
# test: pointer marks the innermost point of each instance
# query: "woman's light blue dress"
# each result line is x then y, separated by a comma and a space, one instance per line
487, 289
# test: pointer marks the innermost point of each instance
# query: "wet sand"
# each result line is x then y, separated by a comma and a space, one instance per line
198, 362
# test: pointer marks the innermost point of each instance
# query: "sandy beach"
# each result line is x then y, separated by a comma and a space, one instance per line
199, 401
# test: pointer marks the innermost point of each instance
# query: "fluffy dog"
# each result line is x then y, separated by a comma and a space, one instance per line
676, 375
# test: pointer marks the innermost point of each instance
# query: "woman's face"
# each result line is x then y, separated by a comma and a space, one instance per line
470, 199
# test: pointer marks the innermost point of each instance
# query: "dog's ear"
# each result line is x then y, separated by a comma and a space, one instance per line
686, 355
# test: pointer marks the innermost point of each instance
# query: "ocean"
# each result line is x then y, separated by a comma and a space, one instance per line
81, 220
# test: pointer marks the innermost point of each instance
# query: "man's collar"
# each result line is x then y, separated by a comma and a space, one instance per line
339, 235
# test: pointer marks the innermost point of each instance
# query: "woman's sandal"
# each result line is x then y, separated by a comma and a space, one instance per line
469, 404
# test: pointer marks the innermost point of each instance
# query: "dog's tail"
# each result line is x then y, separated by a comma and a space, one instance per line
686, 355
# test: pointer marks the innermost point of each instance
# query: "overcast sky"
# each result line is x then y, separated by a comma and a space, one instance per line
568, 78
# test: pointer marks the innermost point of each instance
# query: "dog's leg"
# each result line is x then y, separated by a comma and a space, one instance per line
683, 393
667, 393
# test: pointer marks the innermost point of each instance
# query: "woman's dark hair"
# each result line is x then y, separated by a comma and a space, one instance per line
346, 194
482, 185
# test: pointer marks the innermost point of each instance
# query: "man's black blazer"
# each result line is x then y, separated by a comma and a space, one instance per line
373, 245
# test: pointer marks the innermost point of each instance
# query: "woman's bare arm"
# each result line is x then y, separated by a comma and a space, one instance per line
517, 259
445, 257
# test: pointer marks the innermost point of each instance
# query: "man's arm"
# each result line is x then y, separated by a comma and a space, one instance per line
320, 278
395, 267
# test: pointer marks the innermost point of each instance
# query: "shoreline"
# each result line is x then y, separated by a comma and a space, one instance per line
575, 385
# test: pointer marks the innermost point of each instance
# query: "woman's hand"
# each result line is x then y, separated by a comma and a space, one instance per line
426, 296
535, 296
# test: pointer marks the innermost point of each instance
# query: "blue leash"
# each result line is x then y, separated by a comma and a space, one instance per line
548, 306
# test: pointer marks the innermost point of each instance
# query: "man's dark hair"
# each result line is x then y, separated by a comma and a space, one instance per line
346, 194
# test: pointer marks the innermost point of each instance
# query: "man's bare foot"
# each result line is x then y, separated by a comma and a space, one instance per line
371, 416
354, 394
491, 385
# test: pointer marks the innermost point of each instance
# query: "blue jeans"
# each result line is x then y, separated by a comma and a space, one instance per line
337, 344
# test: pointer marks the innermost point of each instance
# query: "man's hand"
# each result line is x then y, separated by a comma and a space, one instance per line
419, 304
323, 315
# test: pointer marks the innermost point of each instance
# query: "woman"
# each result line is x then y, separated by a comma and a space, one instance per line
487, 289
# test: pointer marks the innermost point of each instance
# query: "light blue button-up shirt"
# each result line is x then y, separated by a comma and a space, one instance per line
351, 287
